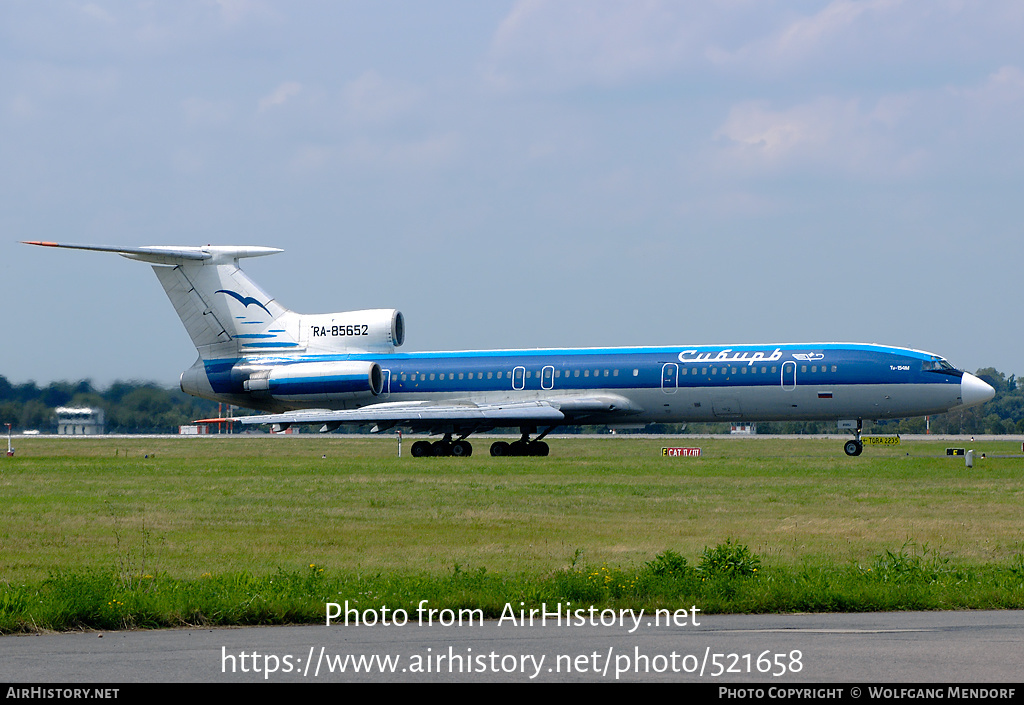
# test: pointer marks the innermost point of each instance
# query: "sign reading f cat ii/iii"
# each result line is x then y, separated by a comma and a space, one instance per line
681, 452
880, 440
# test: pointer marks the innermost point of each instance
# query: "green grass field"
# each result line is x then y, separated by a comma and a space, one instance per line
200, 507
210, 505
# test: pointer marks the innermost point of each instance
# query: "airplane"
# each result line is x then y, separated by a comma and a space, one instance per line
344, 368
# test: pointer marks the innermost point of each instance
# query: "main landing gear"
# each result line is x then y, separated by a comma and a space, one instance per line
462, 448
535, 448
855, 447
524, 446
443, 448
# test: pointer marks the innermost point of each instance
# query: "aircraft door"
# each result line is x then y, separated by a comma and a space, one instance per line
789, 376
518, 378
669, 378
547, 377
386, 387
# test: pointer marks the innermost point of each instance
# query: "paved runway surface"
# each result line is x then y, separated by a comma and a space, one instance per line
909, 647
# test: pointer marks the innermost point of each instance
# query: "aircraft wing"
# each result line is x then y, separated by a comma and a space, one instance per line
432, 416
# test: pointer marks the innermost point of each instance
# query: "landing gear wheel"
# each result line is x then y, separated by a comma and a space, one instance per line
539, 449
853, 448
519, 448
422, 449
442, 449
499, 449
462, 449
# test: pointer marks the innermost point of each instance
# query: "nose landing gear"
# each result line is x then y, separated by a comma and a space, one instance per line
855, 447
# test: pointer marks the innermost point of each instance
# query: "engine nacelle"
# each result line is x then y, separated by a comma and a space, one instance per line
317, 381
379, 330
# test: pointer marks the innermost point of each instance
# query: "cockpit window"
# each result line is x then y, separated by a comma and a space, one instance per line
937, 364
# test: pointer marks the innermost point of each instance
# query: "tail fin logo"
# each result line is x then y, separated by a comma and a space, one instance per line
244, 300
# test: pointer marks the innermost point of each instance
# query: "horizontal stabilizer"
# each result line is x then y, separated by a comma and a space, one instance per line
172, 255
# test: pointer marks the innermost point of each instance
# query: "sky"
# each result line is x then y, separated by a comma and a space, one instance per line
518, 173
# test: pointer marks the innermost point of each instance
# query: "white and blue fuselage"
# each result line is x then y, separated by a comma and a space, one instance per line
344, 368
672, 384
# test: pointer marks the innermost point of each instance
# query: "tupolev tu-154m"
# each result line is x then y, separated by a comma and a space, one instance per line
341, 368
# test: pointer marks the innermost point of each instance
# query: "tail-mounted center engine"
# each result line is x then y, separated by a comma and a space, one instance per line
378, 330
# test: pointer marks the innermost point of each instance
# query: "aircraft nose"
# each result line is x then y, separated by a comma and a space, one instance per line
974, 391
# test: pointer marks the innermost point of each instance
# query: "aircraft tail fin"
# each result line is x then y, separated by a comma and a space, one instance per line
224, 311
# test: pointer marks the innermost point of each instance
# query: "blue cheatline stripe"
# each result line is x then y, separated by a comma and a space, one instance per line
334, 384
673, 351
582, 353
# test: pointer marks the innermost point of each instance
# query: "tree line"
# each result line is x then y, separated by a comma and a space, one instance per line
128, 407
146, 407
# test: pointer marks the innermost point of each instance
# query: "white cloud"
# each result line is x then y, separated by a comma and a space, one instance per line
206, 113
947, 130
553, 43
429, 152
280, 95
847, 37
21, 107
836, 20
823, 130
234, 11
96, 12
369, 98
309, 158
1002, 89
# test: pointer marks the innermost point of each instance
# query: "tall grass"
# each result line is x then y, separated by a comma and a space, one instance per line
727, 578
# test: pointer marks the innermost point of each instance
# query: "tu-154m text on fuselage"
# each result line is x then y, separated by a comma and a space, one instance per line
345, 368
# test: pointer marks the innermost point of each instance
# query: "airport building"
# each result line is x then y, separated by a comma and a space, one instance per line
83, 421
